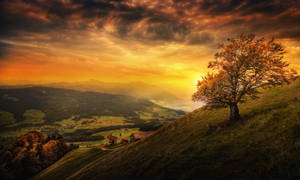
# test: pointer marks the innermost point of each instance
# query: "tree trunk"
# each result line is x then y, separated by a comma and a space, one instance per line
234, 112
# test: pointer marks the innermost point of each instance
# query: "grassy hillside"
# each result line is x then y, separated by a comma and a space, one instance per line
266, 144
70, 163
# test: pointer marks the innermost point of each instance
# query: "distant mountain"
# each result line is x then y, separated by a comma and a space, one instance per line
203, 145
60, 103
135, 89
142, 90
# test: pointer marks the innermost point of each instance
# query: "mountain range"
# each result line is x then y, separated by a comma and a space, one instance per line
142, 90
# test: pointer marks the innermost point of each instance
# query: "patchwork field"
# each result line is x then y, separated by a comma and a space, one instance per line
83, 118
95, 128
6, 118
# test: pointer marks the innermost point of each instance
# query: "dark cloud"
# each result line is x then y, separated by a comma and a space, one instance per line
4, 49
181, 23
201, 38
257, 16
218, 7
248, 7
266, 7
168, 31
291, 33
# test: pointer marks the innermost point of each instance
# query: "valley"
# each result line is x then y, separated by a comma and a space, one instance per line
83, 118
153, 93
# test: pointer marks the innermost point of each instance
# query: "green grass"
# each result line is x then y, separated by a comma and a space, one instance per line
89, 143
92, 123
31, 116
19, 132
164, 115
125, 134
14, 99
146, 115
6, 118
70, 125
70, 163
162, 112
264, 145
23, 130
111, 118
66, 122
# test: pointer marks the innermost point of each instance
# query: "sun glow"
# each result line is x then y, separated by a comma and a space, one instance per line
130, 44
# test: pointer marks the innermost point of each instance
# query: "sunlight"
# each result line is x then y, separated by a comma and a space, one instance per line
83, 78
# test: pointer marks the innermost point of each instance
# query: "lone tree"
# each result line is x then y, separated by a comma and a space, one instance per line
240, 66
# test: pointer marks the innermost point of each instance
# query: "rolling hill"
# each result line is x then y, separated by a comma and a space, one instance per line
264, 145
136, 89
79, 116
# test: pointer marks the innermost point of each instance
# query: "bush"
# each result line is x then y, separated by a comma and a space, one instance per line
30, 153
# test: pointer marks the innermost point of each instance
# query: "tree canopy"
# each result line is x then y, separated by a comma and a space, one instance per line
240, 66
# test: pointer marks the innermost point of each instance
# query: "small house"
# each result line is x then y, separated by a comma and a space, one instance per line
111, 140
124, 140
138, 136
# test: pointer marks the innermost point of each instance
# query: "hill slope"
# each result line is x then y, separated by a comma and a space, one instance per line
71, 163
266, 144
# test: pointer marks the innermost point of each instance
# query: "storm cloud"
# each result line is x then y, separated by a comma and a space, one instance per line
4, 49
157, 41
172, 20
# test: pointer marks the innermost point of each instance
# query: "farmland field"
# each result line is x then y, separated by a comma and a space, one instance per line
83, 118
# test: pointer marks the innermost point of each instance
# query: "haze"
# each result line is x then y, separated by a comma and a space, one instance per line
163, 43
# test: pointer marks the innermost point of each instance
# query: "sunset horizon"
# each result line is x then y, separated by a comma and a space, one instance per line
164, 43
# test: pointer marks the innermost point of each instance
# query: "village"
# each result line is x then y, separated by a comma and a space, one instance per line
113, 140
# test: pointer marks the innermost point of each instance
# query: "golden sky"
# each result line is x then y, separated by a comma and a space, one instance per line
162, 42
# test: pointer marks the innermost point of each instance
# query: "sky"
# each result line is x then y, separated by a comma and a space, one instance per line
162, 42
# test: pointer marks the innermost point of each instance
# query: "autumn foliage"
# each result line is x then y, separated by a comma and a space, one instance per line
240, 66
30, 153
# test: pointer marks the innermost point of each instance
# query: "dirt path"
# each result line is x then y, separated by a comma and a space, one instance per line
114, 149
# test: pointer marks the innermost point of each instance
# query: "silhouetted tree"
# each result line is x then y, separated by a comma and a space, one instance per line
240, 66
